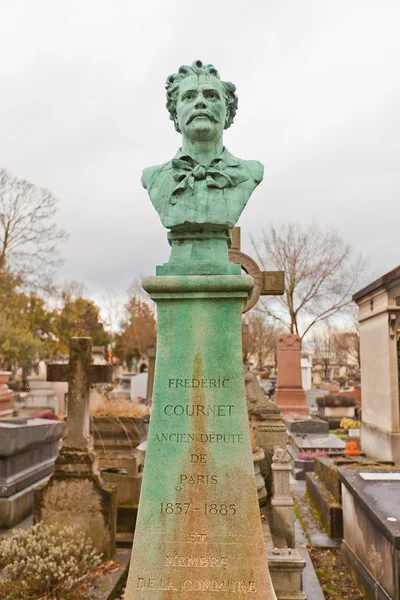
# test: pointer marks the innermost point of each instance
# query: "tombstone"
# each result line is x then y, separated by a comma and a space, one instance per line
76, 493
198, 531
334, 408
40, 398
28, 449
371, 521
306, 374
139, 386
379, 318
6, 395
116, 442
290, 396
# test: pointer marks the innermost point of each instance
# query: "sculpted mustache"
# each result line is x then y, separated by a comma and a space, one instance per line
201, 113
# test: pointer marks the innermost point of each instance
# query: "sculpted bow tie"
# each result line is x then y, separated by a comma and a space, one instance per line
185, 170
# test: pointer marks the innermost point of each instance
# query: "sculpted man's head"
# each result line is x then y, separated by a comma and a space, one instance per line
199, 103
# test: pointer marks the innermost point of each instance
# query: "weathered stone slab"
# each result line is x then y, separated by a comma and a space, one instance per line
198, 530
306, 425
318, 442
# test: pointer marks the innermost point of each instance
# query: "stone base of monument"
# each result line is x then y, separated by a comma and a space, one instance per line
377, 442
77, 495
371, 517
286, 565
292, 402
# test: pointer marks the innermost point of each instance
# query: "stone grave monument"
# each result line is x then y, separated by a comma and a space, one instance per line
290, 396
371, 522
333, 408
198, 529
28, 449
76, 494
379, 318
40, 398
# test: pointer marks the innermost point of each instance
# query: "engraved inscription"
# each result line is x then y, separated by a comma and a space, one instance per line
198, 585
197, 479
196, 538
196, 561
194, 410
177, 508
199, 383
210, 437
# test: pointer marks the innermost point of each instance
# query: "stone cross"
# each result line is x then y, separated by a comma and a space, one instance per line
266, 283
80, 374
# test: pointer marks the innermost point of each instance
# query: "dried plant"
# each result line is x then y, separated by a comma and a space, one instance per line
46, 562
118, 406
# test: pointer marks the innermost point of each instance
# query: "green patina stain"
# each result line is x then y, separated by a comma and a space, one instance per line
198, 496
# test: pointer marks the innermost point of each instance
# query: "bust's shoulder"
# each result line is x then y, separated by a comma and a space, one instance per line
256, 169
151, 174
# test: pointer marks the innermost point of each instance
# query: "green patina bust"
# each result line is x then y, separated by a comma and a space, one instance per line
202, 191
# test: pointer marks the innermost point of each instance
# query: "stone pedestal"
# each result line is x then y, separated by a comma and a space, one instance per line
282, 502
77, 495
290, 396
40, 398
28, 449
286, 566
6, 395
198, 531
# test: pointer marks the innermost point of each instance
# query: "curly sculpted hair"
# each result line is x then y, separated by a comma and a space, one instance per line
197, 68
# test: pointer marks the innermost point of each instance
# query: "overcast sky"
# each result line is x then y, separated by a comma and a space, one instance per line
82, 109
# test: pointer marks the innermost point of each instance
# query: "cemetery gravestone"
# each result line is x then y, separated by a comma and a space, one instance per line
379, 318
371, 519
290, 396
76, 494
198, 529
28, 449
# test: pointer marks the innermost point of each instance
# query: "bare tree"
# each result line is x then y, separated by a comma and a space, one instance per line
260, 338
321, 273
29, 238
